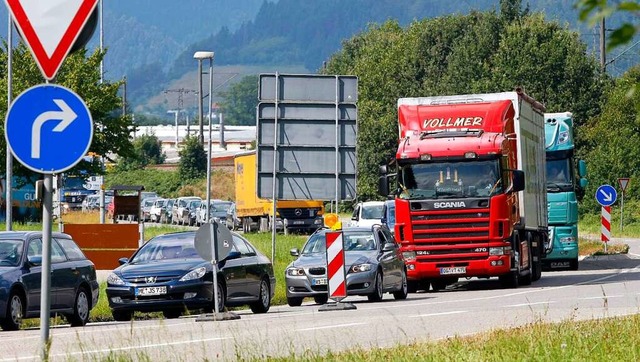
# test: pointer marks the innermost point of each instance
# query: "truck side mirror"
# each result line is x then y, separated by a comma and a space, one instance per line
383, 185
518, 181
583, 183
383, 170
582, 168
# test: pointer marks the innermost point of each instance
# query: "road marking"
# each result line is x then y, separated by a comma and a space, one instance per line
439, 314
331, 326
528, 304
602, 297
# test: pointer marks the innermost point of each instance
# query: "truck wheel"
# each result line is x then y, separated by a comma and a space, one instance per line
526, 279
536, 269
439, 285
573, 264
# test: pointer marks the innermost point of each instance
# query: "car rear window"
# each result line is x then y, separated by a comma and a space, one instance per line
71, 249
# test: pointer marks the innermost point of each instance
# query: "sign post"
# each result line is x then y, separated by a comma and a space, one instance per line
336, 276
606, 195
623, 182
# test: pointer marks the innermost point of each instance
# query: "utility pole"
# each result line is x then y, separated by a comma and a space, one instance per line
181, 92
603, 54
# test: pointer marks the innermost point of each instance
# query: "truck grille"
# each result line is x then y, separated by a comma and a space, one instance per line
451, 235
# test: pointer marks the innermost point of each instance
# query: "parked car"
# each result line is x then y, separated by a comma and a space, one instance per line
73, 289
389, 213
217, 211
148, 194
373, 264
91, 202
145, 207
233, 222
167, 275
191, 210
367, 213
181, 216
167, 211
156, 210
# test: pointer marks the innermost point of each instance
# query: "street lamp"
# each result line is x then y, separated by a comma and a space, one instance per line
200, 56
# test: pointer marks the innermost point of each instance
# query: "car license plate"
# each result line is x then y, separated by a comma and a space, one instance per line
298, 222
319, 281
142, 292
453, 270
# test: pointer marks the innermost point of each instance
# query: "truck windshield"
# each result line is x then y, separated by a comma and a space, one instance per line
441, 180
74, 183
559, 178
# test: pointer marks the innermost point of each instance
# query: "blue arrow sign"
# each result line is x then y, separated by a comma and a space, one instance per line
606, 195
48, 128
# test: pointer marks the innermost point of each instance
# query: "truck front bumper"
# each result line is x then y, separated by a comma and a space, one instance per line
493, 266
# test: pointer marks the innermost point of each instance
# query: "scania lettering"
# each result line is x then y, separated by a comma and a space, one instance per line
565, 186
469, 187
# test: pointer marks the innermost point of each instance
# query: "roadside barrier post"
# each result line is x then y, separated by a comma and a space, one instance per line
336, 276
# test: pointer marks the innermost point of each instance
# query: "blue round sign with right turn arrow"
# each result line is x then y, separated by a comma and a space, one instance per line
606, 195
48, 128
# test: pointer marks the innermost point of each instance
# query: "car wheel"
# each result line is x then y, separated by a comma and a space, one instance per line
376, 296
321, 299
172, 313
294, 301
81, 309
263, 304
13, 318
221, 297
122, 315
404, 289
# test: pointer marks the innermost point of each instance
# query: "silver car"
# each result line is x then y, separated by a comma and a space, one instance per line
373, 266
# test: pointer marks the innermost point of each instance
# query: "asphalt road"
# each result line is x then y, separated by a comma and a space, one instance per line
603, 287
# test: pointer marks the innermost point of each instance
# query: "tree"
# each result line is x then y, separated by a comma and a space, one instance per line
81, 73
460, 54
593, 11
193, 159
147, 151
240, 102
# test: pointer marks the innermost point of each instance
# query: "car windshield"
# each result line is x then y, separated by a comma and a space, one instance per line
166, 248
10, 252
372, 211
353, 241
220, 207
443, 180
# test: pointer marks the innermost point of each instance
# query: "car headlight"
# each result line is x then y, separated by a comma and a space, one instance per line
194, 274
114, 280
358, 268
568, 239
496, 251
295, 272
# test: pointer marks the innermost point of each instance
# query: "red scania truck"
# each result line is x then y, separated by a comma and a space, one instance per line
470, 188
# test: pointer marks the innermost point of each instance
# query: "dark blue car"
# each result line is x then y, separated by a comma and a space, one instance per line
167, 275
74, 287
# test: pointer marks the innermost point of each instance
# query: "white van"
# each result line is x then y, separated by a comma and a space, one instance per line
368, 213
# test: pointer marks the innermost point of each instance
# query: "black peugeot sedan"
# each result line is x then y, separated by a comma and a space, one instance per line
167, 275
73, 289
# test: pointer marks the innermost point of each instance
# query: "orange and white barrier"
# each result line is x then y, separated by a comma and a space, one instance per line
335, 266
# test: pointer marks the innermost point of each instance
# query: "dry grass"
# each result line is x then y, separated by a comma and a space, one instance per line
593, 247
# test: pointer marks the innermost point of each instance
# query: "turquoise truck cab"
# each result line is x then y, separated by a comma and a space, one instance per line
565, 186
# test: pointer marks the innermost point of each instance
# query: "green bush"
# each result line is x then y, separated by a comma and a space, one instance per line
164, 182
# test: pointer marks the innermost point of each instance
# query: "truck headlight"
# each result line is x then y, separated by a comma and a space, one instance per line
568, 239
194, 274
358, 268
409, 255
114, 280
295, 272
317, 221
495, 251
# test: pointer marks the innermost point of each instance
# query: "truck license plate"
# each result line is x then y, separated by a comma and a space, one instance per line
141, 292
319, 281
298, 222
453, 270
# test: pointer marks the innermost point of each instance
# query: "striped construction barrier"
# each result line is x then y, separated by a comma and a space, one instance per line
335, 266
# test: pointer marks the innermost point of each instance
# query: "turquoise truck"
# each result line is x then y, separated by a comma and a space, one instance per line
566, 181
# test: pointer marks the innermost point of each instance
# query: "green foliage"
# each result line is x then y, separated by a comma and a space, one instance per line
460, 54
593, 11
147, 151
80, 73
193, 159
240, 101
165, 182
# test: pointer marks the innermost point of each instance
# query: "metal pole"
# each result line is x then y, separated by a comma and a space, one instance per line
621, 209
603, 53
201, 136
337, 143
209, 153
9, 156
214, 264
45, 279
274, 178
223, 143
101, 192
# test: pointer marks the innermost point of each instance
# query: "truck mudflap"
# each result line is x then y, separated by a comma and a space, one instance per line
492, 267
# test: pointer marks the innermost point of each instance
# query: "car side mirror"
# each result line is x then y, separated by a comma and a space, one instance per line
123, 261
35, 260
294, 252
389, 246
